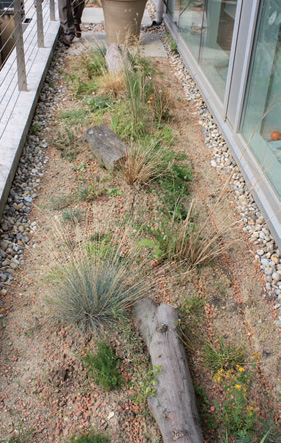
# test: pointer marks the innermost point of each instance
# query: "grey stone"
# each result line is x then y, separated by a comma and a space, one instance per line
276, 276
3, 277
268, 270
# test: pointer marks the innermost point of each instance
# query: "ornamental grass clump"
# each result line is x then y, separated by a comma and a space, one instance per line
145, 163
93, 286
187, 240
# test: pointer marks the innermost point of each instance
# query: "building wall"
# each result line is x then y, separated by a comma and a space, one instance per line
233, 50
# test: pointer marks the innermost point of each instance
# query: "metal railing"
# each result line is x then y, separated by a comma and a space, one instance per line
24, 26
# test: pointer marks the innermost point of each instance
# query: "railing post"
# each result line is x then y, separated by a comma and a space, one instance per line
40, 32
22, 84
52, 10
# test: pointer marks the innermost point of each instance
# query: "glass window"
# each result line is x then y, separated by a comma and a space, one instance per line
261, 122
191, 19
216, 42
207, 27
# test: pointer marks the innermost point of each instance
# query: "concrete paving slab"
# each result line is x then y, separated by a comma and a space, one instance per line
95, 16
152, 45
88, 40
150, 41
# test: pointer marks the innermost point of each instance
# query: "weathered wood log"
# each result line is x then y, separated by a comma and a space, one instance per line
106, 146
173, 406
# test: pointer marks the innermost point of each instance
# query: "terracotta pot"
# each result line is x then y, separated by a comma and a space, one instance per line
123, 20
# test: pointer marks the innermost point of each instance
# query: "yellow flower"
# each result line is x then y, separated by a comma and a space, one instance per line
218, 376
237, 386
240, 369
148, 101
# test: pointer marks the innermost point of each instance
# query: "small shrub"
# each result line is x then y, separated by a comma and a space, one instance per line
103, 367
90, 437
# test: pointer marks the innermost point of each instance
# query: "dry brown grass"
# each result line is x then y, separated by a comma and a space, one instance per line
144, 164
112, 85
202, 244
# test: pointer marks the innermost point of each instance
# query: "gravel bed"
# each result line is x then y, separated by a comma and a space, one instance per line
16, 228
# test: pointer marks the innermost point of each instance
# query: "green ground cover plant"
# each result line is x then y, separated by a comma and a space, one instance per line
22, 435
147, 386
101, 245
90, 437
90, 192
236, 412
66, 142
35, 129
223, 355
103, 367
61, 201
73, 215
75, 117
171, 44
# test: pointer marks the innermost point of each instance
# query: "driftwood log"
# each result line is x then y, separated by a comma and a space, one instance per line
173, 406
106, 146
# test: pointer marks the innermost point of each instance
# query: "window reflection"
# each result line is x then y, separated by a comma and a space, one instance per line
207, 28
261, 124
